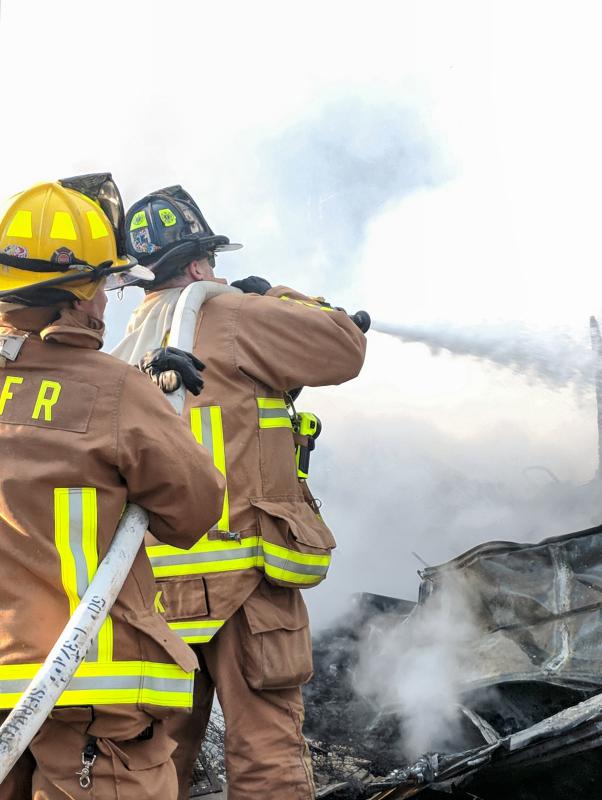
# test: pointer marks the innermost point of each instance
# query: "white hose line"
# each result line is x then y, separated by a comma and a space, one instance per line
53, 677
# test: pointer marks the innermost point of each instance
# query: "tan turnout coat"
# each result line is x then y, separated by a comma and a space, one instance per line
255, 348
81, 434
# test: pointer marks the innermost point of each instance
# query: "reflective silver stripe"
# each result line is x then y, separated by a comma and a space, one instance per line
8, 687
206, 557
184, 632
207, 436
293, 566
76, 539
206, 431
273, 413
76, 535
110, 683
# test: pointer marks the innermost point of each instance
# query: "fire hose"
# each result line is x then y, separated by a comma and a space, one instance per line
60, 665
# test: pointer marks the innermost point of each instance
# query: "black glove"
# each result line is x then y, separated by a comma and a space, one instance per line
252, 285
170, 367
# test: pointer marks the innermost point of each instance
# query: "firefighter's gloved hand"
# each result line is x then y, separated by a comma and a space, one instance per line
170, 367
252, 285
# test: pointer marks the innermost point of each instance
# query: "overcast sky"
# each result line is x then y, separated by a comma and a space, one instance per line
428, 161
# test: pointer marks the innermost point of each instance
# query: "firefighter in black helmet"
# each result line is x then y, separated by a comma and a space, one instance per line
170, 223
235, 597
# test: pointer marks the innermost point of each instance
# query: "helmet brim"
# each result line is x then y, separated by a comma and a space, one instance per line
223, 248
129, 277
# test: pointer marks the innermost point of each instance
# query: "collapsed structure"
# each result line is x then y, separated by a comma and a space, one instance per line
530, 718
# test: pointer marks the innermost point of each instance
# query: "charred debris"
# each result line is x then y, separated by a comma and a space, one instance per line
529, 721
529, 718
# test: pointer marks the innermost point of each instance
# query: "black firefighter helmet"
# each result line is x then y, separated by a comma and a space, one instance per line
166, 230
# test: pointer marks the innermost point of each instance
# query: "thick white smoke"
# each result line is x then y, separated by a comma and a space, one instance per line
553, 357
415, 668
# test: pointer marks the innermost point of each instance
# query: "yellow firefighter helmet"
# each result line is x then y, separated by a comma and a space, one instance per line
67, 235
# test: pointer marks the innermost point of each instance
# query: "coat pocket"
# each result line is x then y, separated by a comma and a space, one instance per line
296, 542
144, 753
276, 642
181, 598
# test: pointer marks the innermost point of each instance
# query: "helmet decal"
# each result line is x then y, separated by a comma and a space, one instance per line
62, 256
138, 221
16, 250
168, 218
141, 241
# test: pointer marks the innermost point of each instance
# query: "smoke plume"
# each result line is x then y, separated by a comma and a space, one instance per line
415, 668
553, 357
330, 174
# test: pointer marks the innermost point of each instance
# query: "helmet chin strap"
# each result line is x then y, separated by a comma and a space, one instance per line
178, 255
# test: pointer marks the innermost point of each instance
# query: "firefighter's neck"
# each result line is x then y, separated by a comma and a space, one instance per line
95, 307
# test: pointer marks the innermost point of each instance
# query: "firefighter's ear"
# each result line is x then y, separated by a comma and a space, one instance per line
200, 270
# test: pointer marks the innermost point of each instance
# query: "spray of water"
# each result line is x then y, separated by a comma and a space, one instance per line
553, 357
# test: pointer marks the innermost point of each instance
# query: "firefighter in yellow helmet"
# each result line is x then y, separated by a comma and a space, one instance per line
81, 433
57, 240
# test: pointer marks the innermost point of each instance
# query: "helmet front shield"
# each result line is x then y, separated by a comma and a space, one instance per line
102, 189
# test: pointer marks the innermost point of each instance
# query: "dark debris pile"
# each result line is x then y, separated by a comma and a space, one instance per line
353, 745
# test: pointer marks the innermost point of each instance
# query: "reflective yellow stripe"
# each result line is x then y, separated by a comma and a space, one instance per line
251, 552
285, 575
275, 423
207, 428
197, 631
219, 459
293, 555
76, 539
206, 556
205, 545
107, 697
20, 226
63, 227
206, 569
100, 683
290, 566
98, 229
96, 669
159, 607
273, 413
308, 304
271, 402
